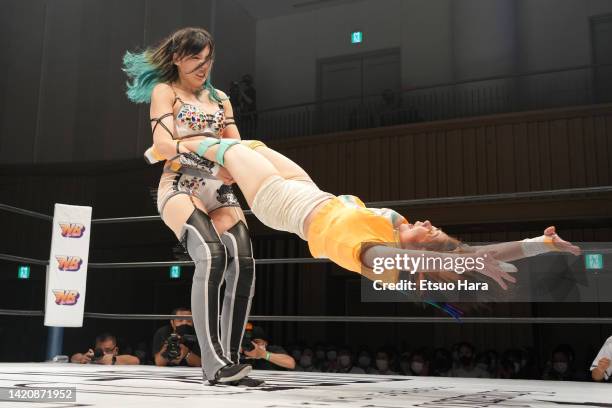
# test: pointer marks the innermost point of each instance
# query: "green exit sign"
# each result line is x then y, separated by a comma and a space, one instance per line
356, 37
24, 272
175, 272
593, 261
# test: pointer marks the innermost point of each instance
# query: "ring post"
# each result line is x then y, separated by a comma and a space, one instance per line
55, 340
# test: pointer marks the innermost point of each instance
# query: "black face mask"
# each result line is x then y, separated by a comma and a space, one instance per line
184, 329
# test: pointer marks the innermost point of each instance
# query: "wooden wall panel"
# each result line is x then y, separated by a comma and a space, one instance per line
541, 150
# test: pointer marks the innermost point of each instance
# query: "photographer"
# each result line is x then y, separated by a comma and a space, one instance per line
266, 357
248, 103
105, 352
176, 344
235, 95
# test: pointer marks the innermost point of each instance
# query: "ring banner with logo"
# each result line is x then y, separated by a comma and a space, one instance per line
67, 270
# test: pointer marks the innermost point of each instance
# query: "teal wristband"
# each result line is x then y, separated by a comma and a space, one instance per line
224, 144
267, 356
205, 145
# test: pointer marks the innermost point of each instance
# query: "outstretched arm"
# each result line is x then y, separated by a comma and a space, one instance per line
483, 262
510, 251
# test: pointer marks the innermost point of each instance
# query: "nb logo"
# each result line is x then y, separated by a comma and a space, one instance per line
66, 297
68, 263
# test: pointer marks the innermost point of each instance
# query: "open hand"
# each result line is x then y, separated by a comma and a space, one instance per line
493, 269
560, 244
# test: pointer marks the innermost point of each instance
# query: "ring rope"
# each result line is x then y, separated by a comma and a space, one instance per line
345, 319
393, 203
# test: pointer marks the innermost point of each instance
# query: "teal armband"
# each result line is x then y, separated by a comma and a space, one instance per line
224, 144
205, 145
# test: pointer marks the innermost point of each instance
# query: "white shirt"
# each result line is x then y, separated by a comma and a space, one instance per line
606, 351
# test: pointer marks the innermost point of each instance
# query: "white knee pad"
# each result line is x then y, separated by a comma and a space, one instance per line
284, 204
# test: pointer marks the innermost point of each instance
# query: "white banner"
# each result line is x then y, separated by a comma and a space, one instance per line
67, 270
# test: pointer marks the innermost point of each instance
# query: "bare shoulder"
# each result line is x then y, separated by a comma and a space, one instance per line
162, 91
222, 94
225, 100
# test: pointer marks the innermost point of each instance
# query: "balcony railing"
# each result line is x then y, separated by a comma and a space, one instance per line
486, 96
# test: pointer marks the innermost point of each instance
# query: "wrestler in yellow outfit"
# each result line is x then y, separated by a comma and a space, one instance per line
341, 226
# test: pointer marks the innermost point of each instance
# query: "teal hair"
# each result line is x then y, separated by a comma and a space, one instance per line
143, 75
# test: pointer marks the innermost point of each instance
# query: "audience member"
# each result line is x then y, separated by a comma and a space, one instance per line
105, 352
176, 343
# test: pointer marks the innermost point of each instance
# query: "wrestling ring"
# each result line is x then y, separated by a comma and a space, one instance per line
150, 386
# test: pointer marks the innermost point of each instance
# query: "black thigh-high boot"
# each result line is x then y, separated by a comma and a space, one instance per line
239, 288
209, 255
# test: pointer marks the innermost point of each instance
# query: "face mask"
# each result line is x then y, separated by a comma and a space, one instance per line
364, 361
184, 329
416, 367
344, 361
320, 354
560, 367
305, 361
382, 365
517, 367
331, 355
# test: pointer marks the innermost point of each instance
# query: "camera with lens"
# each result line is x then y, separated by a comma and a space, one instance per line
185, 334
98, 354
173, 349
247, 339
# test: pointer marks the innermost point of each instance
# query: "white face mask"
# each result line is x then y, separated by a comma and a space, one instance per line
364, 361
560, 367
382, 365
331, 355
305, 361
344, 361
416, 367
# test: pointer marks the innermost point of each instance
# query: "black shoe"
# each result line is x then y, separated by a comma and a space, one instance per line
231, 372
247, 382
